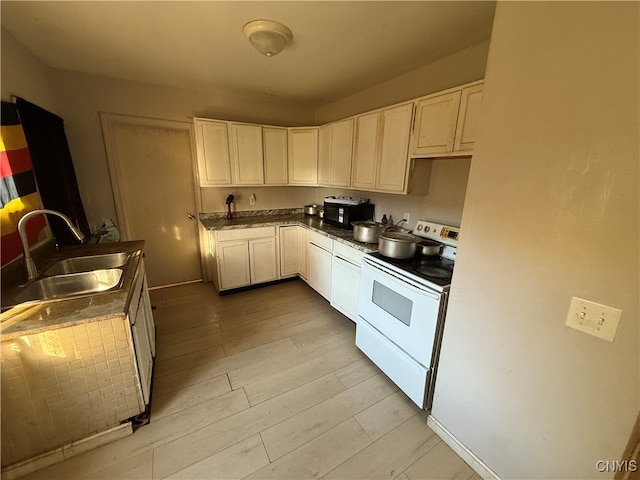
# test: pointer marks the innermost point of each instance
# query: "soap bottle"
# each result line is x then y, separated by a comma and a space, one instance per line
384, 219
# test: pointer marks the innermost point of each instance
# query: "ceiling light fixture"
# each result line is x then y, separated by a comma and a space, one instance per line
267, 37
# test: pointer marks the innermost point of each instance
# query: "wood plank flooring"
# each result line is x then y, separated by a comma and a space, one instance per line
266, 384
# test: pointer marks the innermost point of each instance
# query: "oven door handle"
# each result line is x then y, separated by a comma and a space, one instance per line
419, 289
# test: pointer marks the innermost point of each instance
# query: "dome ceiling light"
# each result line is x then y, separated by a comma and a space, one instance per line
267, 37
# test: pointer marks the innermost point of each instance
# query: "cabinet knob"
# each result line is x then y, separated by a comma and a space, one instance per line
191, 216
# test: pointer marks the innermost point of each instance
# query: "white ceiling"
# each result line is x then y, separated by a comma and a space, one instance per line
339, 47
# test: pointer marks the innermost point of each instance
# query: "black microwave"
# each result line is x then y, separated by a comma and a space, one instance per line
342, 215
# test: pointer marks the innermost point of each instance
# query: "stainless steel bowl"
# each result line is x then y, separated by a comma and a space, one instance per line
312, 209
397, 245
367, 231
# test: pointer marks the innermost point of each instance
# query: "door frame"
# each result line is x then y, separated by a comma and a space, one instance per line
108, 121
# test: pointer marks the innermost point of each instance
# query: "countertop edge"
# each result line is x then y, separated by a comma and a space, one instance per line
307, 221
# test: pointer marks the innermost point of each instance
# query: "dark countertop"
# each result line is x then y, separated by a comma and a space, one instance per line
265, 218
34, 317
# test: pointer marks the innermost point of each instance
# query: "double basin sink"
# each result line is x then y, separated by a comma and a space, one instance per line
72, 277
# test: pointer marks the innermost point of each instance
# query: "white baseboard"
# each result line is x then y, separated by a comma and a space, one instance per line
463, 452
65, 452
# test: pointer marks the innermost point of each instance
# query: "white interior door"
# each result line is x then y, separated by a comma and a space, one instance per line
150, 163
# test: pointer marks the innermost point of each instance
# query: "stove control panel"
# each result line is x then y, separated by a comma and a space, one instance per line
440, 233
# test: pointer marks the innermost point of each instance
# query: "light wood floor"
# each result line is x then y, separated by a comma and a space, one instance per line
266, 384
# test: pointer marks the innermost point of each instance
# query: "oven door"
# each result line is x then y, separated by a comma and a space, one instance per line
404, 312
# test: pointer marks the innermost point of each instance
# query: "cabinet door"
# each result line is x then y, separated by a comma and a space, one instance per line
303, 156
394, 146
274, 142
345, 284
263, 260
212, 150
246, 148
470, 102
289, 251
435, 127
341, 153
303, 243
366, 151
319, 273
324, 155
233, 264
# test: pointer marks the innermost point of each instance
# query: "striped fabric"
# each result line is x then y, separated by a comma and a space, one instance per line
18, 193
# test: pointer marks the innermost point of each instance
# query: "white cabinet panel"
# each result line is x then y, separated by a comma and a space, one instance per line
289, 251
263, 260
345, 285
366, 151
341, 153
274, 142
324, 155
246, 150
394, 148
303, 262
233, 264
303, 156
436, 119
319, 274
468, 118
212, 151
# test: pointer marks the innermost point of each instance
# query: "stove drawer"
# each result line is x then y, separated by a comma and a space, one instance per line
406, 373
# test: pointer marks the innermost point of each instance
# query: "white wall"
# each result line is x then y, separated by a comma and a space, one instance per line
23, 75
465, 66
551, 212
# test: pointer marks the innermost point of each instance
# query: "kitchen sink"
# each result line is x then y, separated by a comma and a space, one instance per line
69, 285
88, 263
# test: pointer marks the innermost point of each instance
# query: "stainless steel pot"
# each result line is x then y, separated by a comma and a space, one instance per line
367, 231
427, 248
397, 245
312, 209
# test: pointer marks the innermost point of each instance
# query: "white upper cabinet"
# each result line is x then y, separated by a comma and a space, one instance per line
246, 154
275, 155
303, 156
446, 122
365, 155
381, 146
212, 150
470, 102
324, 155
335, 152
394, 148
341, 152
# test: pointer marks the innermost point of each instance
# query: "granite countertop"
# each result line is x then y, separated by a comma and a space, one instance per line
35, 317
264, 218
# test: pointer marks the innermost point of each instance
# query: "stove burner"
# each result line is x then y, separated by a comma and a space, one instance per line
433, 272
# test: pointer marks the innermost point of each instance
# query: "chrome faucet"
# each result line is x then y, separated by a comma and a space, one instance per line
32, 271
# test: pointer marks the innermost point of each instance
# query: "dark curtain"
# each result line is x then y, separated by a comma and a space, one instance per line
53, 168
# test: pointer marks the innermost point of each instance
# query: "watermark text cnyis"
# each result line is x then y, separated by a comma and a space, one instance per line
613, 466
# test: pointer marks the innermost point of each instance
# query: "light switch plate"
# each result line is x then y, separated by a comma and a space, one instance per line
593, 318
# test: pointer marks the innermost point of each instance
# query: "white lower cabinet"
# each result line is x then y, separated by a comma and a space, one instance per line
143, 331
319, 260
345, 280
246, 256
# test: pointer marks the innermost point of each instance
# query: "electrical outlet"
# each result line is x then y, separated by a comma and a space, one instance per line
406, 218
593, 318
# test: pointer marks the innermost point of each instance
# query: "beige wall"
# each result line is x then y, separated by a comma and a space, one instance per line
465, 66
23, 75
551, 212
